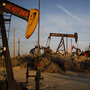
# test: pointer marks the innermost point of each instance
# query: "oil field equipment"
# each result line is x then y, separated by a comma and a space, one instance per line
87, 52
75, 35
32, 17
78, 51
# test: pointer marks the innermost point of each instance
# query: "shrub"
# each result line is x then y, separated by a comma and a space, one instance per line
53, 63
47, 65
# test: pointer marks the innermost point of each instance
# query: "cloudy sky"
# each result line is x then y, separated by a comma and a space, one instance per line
56, 16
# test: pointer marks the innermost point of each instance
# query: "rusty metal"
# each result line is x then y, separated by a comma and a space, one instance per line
8, 22
39, 30
37, 77
11, 82
14, 9
75, 35
23, 13
48, 41
61, 44
47, 50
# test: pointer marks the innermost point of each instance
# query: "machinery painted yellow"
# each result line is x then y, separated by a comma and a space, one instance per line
32, 22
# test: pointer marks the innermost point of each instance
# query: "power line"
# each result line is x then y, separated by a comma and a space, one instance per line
83, 40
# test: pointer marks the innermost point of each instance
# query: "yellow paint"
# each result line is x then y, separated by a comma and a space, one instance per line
32, 22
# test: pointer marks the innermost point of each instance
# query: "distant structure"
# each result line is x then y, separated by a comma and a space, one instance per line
88, 48
14, 44
19, 47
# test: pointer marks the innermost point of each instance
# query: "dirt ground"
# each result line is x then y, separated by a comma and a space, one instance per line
53, 81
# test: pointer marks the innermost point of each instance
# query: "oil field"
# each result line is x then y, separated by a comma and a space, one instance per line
53, 53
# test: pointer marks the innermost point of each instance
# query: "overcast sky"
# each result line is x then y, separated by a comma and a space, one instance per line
56, 16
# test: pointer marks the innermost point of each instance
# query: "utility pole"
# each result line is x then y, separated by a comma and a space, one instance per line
71, 46
36, 43
14, 44
18, 46
38, 73
66, 44
39, 30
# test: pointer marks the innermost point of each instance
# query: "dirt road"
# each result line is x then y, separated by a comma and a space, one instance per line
55, 81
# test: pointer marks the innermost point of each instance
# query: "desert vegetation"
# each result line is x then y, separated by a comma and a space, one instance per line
52, 63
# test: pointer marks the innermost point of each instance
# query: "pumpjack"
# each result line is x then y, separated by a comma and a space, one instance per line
32, 17
75, 35
87, 52
81, 53
78, 51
